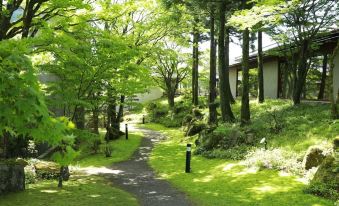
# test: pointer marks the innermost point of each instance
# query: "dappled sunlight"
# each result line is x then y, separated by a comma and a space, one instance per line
98, 170
49, 191
94, 196
207, 178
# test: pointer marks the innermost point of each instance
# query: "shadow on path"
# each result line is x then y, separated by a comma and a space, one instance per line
137, 177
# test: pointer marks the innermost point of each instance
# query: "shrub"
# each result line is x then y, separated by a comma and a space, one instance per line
328, 190
276, 159
236, 153
95, 145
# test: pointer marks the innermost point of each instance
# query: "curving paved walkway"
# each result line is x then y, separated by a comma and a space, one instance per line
137, 177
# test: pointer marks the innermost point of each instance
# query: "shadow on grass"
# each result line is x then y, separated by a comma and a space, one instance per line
80, 191
220, 182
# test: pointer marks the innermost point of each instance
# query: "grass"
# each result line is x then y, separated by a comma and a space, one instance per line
76, 192
303, 126
122, 149
221, 182
81, 190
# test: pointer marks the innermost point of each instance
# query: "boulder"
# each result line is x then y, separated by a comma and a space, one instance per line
195, 128
313, 158
12, 177
328, 171
47, 170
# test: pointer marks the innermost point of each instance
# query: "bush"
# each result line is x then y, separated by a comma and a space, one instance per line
236, 153
95, 145
276, 159
328, 190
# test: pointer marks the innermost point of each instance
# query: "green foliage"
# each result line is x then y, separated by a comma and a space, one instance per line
276, 159
79, 191
220, 182
328, 190
120, 150
235, 153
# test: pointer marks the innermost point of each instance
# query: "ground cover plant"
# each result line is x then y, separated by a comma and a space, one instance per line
220, 182
85, 190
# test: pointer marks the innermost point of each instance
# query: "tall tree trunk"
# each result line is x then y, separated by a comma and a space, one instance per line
170, 98
95, 113
227, 64
261, 97
212, 106
60, 177
245, 105
80, 117
225, 105
195, 67
334, 95
323, 78
301, 73
120, 114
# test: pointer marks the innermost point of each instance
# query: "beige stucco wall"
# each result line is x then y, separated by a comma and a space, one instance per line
233, 81
271, 79
153, 94
336, 75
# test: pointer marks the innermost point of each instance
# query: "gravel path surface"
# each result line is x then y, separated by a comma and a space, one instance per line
138, 178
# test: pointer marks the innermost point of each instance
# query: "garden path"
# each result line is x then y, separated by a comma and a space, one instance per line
138, 178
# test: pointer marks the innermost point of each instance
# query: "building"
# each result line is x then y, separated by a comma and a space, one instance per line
274, 65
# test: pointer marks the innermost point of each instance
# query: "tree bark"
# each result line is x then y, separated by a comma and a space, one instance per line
245, 106
95, 113
170, 98
60, 177
301, 73
261, 97
195, 67
333, 98
323, 79
213, 74
80, 117
227, 64
225, 105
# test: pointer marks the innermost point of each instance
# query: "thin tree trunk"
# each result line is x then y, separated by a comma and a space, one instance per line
195, 68
301, 73
227, 64
245, 106
80, 117
170, 98
60, 176
334, 95
95, 113
213, 73
261, 97
225, 105
323, 79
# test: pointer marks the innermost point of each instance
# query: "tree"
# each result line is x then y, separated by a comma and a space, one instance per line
302, 22
212, 105
225, 99
334, 95
323, 78
169, 72
261, 97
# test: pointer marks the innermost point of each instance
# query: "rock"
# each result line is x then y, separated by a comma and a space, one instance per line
47, 170
313, 158
327, 171
12, 177
195, 128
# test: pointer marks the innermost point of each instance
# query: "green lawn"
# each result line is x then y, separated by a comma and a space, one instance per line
89, 191
122, 149
303, 125
81, 190
221, 182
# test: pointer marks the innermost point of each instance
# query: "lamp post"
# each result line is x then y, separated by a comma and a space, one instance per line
188, 158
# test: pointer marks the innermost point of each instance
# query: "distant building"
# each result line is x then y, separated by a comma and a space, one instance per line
274, 66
